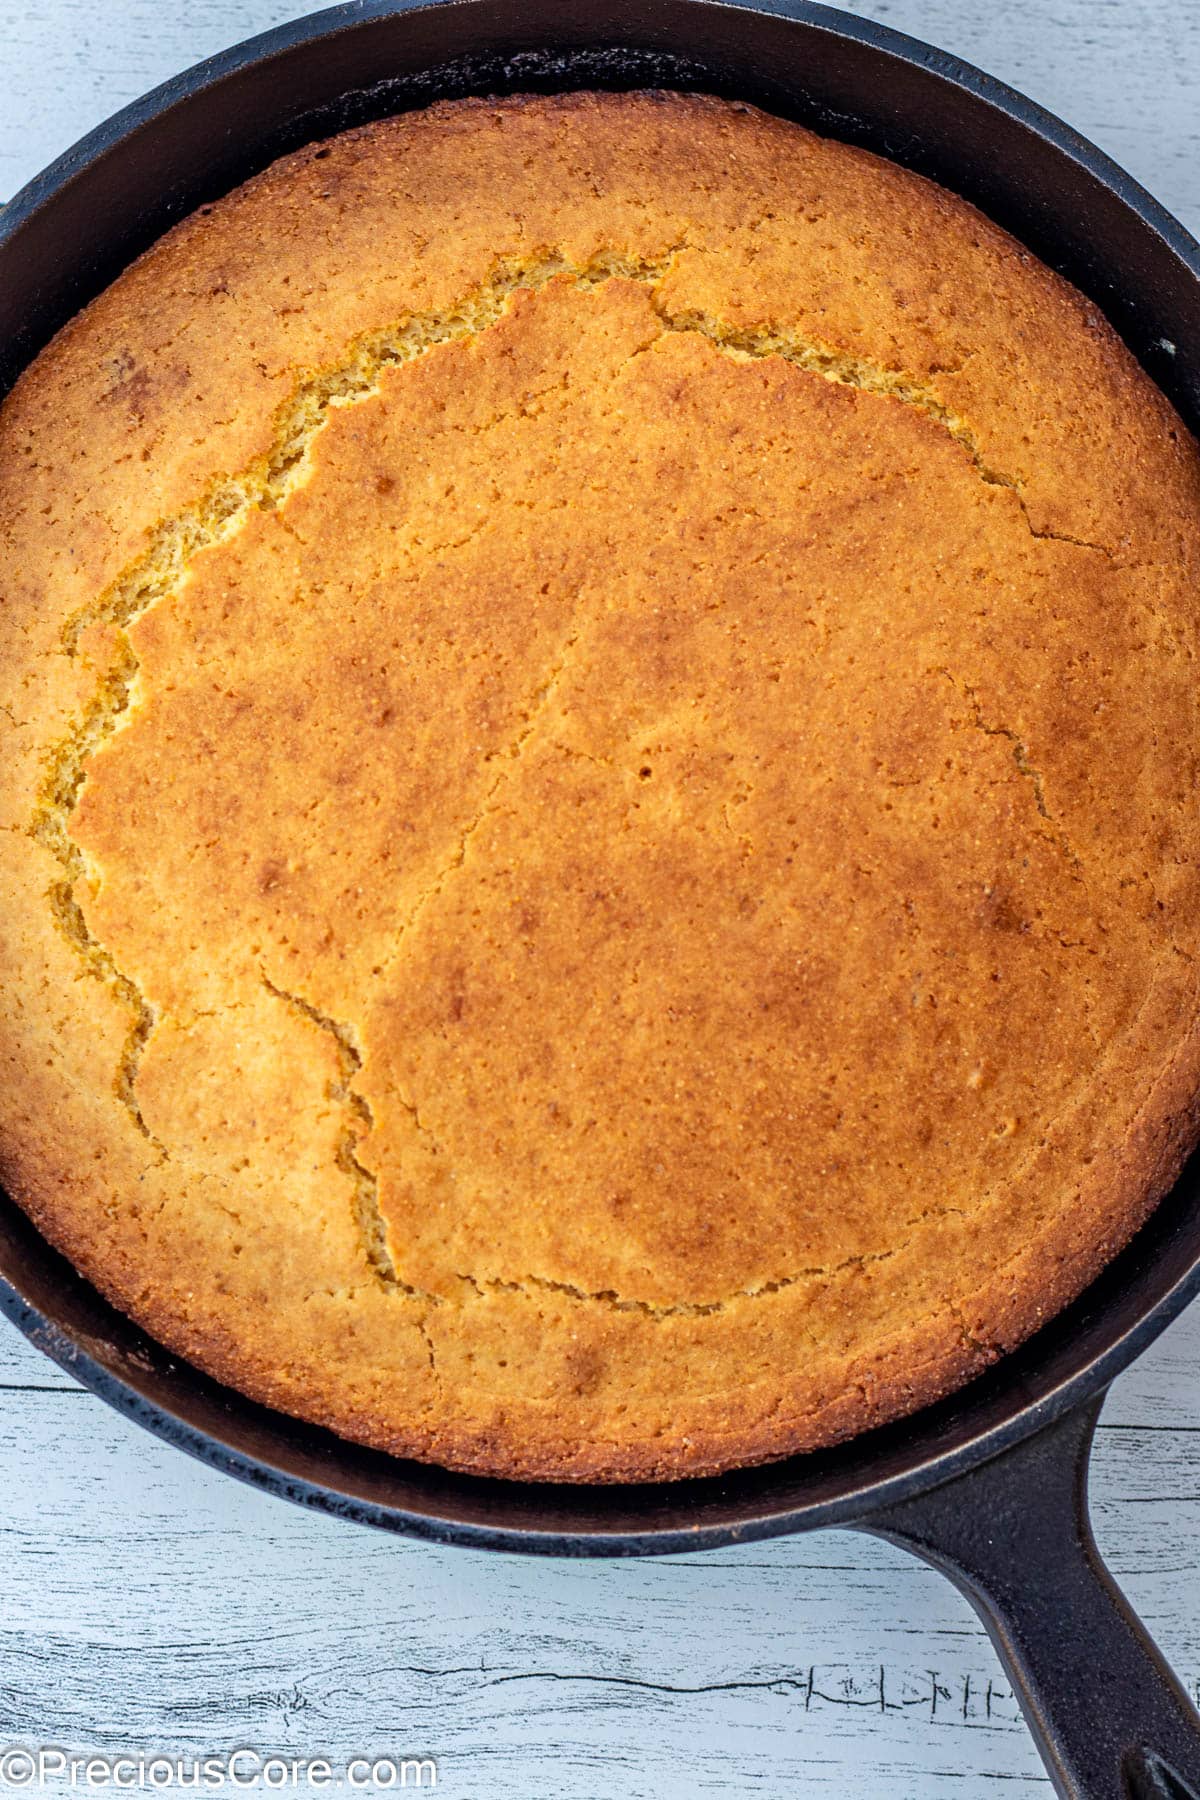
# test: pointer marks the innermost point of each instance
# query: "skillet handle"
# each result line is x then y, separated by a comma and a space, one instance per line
1108, 1716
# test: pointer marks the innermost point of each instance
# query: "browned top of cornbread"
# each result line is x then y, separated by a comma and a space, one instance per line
600, 743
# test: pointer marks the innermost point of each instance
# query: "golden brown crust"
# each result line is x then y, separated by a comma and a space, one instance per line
600, 750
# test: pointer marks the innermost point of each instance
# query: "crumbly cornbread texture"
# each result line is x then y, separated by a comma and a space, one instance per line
600, 750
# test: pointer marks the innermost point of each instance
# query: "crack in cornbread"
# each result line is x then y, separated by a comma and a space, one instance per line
1020, 754
359, 1118
265, 486
606, 1297
577, 835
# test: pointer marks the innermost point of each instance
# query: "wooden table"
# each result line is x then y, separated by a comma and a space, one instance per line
149, 1603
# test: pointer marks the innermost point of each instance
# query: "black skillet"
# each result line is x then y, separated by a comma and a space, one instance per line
990, 1485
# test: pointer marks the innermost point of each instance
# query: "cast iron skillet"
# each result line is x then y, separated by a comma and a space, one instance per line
991, 1484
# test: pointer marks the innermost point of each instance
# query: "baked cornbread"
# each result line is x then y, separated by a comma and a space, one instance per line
600, 745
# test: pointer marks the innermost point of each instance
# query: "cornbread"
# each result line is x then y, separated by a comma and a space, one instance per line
600, 748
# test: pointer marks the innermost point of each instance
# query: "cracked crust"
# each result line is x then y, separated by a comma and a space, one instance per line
600, 752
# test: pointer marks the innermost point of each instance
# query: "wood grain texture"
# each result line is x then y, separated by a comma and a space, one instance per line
151, 1603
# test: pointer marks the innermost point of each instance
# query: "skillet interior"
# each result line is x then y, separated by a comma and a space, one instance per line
68, 234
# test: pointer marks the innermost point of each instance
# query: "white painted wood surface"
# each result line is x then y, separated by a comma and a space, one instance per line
148, 1603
